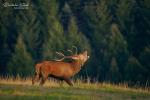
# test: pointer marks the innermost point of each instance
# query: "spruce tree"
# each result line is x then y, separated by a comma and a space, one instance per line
21, 62
144, 60
117, 48
134, 71
55, 39
75, 37
114, 74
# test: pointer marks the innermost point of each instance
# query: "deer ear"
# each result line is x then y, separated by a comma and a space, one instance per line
85, 52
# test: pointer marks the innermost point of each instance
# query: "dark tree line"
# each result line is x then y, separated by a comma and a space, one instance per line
115, 32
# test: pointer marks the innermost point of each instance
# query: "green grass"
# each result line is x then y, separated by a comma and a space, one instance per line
23, 90
26, 92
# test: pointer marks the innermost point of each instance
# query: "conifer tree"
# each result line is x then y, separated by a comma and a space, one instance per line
99, 19
21, 62
134, 71
144, 60
117, 47
28, 24
114, 74
55, 39
75, 37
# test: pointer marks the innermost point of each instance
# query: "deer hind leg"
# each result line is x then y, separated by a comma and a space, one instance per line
43, 79
67, 80
37, 74
35, 78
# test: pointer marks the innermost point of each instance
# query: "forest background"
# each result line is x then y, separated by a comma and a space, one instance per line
116, 34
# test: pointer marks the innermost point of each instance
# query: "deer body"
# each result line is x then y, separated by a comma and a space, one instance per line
59, 69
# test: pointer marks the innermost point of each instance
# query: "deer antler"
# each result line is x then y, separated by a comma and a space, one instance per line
59, 53
76, 52
72, 49
63, 56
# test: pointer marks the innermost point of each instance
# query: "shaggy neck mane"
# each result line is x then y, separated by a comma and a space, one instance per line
77, 66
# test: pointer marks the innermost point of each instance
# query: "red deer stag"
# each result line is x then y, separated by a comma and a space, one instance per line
59, 69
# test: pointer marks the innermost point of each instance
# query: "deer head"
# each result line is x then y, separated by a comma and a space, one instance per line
82, 57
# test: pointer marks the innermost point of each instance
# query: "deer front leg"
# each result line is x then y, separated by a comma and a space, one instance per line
68, 81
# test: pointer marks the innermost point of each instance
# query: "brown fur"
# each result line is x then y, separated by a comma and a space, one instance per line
59, 69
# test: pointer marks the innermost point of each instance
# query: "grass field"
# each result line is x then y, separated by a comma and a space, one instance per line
19, 89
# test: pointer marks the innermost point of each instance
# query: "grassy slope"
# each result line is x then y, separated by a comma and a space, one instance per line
83, 92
